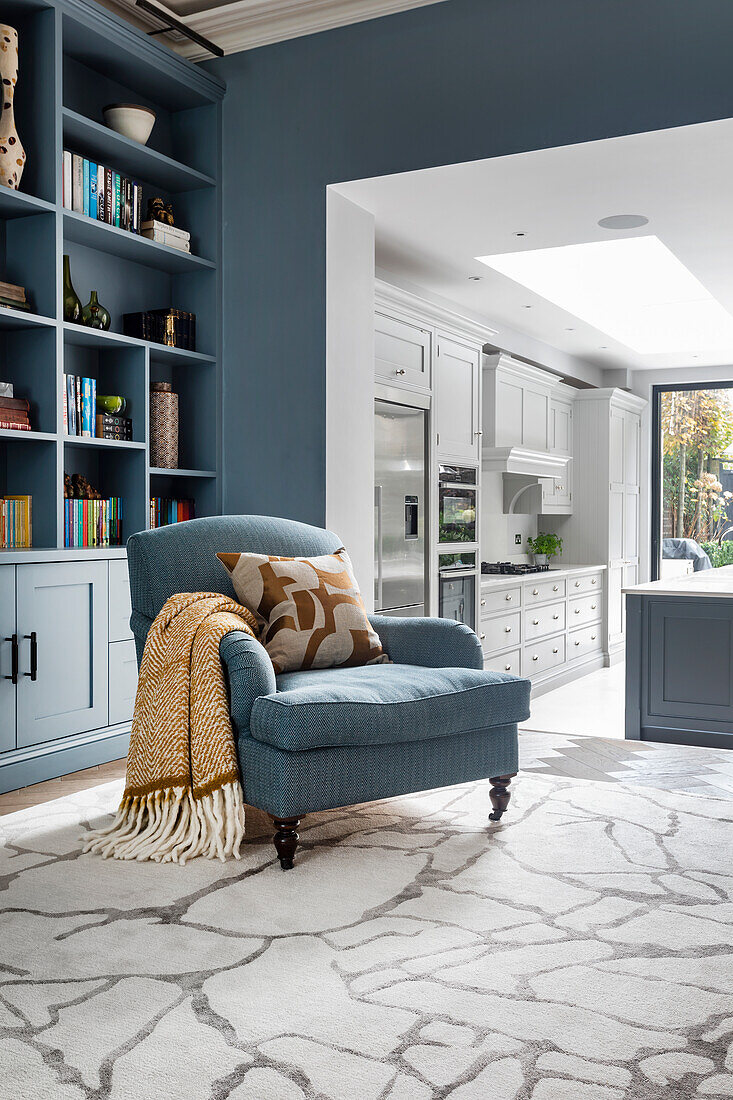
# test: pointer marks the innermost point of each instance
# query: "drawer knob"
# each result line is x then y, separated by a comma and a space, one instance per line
507, 668
400, 370
535, 658
556, 616
535, 622
555, 650
535, 591
577, 610
483, 603
577, 584
554, 588
592, 607
593, 580
577, 643
592, 637
507, 597
482, 636
507, 630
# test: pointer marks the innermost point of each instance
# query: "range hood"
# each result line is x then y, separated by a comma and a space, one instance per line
520, 460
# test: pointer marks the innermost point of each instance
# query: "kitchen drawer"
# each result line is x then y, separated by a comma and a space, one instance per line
540, 591
119, 601
500, 632
507, 662
544, 655
583, 642
122, 681
578, 586
504, 600
547, 619
585, 609
402, 352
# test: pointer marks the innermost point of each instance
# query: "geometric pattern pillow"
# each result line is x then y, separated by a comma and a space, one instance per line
310, 609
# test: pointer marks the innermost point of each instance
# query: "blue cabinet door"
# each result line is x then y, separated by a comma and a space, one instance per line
62, 686
7, 630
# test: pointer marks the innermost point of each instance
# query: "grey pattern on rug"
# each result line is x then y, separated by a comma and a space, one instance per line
580, 950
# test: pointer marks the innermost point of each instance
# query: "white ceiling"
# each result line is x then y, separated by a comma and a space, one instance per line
432, 224
244, 24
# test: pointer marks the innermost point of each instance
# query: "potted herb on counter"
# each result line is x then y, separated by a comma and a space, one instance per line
544, 546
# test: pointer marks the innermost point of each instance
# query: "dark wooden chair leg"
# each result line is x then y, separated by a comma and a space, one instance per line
500, 795
286, 839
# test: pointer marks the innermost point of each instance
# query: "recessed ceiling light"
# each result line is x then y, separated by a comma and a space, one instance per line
528, 307
474, 278
603, 347
570, 330
633, 289
623, 221
519, 234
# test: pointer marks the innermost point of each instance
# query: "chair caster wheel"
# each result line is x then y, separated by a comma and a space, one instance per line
287, 864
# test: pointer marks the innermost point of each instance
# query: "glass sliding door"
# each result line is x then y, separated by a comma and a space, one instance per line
692, 499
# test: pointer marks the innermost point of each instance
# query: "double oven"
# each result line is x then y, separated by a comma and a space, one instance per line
458, 543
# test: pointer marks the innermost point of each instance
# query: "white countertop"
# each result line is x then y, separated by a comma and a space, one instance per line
554, 571
709, 582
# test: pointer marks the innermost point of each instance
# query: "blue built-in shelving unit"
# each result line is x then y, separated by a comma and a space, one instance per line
74, 59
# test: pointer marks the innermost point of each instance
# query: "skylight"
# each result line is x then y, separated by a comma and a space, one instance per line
633, 289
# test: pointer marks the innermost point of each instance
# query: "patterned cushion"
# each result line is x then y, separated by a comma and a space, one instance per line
384, 705
311, 609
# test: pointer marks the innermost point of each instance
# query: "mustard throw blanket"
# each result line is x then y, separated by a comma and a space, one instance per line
182, 797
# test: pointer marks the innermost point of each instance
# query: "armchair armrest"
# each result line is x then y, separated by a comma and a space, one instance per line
434, 643
250, 674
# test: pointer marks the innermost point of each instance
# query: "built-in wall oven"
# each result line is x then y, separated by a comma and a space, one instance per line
457, 587
457, 488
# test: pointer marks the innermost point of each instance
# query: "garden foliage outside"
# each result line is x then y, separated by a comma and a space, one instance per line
697, 454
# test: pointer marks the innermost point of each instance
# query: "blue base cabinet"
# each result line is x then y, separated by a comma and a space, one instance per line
67, 693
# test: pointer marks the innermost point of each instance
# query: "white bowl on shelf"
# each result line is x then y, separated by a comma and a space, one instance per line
131, 120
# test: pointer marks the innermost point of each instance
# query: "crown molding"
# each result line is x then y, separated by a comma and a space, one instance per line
246, 24
394, 298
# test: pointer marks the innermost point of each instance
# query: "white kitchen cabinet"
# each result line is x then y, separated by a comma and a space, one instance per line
604, 525
517, 403
402, 352
457, 411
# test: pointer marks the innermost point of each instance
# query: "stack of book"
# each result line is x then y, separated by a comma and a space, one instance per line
13, 297
93, 522
173, 327
15, 413
114, 427
101, 193
165, 510
15, 522
167, 234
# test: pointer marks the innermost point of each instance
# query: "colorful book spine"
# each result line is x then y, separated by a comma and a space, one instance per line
85, 187
118, 197
101, 192
93, 190
66, 408
109, 196
68, 190
87, 411
77, 183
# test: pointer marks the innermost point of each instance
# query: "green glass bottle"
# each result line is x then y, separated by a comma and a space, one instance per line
72, 305
94, 315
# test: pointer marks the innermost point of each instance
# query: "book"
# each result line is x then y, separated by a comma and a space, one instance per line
18, 521
101, 192
118, 199
71, 402
13, 426
9, 303
93, 190
65, 403
88, 412
109, 193
11, 291
21, 403
85, 187
67, 189
113, 427
161, 237
14, 416
172, 230
128, 204
78, 393
137, 199
77, 183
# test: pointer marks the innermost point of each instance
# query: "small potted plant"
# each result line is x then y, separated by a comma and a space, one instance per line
544, 546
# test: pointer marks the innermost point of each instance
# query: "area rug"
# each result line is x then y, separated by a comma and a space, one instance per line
580, 950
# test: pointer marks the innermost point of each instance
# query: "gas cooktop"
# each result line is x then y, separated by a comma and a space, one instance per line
511, 569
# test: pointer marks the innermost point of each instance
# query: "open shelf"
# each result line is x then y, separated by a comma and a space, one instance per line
16, 204
27, 437
106, 444
160, 471
130, 246
93, 337
19, 319
92, 139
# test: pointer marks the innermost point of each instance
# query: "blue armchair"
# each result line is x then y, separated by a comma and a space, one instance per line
323, 739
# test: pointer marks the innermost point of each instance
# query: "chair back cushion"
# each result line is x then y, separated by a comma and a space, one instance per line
310, 609
182, 557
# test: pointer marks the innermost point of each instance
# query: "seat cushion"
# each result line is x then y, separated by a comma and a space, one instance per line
383, 704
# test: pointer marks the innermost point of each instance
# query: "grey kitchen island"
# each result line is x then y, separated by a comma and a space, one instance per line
679, 660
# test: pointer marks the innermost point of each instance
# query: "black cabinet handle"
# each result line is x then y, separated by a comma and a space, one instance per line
34, 655
13, 639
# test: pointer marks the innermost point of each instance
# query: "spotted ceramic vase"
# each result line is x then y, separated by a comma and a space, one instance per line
12, 154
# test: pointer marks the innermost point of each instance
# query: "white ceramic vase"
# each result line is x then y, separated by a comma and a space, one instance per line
12, 153
540, 559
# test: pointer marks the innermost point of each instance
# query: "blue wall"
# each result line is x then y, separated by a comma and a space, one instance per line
456, 81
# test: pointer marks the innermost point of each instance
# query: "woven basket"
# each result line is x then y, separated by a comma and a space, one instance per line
163, 426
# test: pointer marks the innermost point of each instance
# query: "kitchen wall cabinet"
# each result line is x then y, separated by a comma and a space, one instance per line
457, 412
517, 400
66, 700
604, 525
402, 352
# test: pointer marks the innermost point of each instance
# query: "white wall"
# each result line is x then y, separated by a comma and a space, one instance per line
497, 529
641, 384
350, 383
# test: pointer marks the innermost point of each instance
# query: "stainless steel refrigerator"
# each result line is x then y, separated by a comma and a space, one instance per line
399, 507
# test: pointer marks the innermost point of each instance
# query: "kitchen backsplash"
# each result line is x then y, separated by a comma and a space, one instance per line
497, 529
